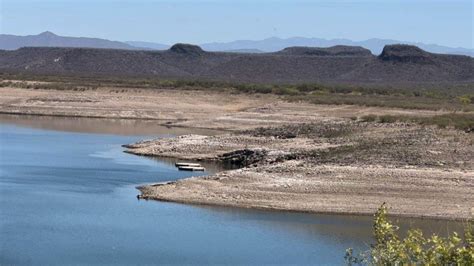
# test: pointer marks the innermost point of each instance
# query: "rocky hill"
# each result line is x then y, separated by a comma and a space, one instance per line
273, 44
396, 64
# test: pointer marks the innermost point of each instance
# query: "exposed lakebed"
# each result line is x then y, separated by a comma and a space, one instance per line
68, 197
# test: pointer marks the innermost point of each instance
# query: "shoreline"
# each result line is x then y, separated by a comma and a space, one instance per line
364, 214
216, 110
166, 124
156, 197
264, 185
294, 156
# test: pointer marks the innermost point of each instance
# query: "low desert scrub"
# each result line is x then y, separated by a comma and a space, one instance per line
432, 97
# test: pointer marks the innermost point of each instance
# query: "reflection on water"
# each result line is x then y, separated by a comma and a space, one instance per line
334, 225
103, 126
69, 198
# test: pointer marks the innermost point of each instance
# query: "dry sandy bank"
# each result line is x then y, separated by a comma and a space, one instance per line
197, 109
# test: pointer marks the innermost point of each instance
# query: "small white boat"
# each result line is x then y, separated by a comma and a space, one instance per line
191, 168
187, 164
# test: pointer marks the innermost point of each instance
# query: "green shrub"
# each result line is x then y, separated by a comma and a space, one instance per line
466, 99
415, 248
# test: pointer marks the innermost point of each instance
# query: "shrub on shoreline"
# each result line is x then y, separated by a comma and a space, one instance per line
415, 248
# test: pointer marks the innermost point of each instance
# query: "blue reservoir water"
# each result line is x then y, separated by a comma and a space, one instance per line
70, 198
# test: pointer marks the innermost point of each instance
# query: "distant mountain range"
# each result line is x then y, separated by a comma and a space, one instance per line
49, 39
374, 45
148, 45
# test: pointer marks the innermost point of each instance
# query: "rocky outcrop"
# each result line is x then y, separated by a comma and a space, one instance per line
405, 53
186, 49
244, 157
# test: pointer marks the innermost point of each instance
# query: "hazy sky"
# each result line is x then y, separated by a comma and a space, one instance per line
442, 22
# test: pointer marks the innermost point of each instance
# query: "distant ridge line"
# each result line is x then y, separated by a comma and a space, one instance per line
339, 64
273, 44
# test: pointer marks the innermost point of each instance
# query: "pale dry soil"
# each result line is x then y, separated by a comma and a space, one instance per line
330, 163
299, 186
197, 109
419, 172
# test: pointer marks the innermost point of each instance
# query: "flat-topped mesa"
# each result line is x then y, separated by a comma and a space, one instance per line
405, 53
186, 49
338, 50
340, 64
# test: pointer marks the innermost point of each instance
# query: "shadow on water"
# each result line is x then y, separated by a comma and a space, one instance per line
335, 224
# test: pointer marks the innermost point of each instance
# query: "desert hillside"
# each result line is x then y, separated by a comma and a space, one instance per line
396, 64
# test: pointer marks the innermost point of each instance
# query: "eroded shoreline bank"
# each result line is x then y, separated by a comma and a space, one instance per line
327, 171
